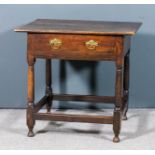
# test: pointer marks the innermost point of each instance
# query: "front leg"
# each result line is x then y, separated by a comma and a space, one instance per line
118, 104
30, 97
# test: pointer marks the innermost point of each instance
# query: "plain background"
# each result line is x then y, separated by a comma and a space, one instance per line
76, 77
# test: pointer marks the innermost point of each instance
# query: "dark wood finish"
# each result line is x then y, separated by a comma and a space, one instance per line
30, 96
126, 84
73, 47
126, 44
79, 40
88, 98
118, 89
48, 90
80, 27
74, 118
41, 103
116, 124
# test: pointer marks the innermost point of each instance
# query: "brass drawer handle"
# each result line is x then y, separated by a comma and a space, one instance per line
55, 43
91, 44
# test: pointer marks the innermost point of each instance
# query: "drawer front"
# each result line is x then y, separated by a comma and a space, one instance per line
72, 47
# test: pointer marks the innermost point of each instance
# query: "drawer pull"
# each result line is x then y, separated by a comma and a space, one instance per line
91, 44
55, 43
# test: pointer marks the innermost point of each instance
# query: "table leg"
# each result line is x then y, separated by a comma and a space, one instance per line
117, 110
30, 97
126, 85
48, 84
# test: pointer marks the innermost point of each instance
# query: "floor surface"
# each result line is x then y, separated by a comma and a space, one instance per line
138, 132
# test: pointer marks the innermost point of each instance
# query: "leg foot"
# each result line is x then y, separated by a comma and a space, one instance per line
117, 124
124, 117
125, 109
116, 139
30, 134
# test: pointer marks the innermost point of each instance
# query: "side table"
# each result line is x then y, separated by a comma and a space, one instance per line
79, 40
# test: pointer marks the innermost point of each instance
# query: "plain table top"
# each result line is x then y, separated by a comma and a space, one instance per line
80, 27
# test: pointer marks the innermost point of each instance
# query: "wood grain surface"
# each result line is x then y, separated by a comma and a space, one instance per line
80, 27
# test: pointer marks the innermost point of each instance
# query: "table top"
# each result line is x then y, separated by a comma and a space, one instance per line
80, 27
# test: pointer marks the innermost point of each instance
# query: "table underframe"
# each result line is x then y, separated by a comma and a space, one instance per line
120, 100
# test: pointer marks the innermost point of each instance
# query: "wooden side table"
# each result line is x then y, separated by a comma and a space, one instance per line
79, 40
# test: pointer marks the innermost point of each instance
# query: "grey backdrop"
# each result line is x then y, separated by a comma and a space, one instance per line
76, 77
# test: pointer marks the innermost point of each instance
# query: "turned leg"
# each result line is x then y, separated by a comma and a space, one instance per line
118, 103
126, 85
48, 84
30, 97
